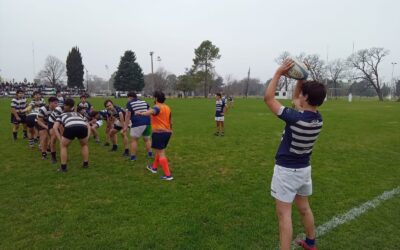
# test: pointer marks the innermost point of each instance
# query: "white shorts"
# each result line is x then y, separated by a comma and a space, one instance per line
288, 182
137, 132
219, 118
99, 123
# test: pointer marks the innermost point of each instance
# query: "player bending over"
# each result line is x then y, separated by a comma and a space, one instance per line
74, 127
291, 180
117, 116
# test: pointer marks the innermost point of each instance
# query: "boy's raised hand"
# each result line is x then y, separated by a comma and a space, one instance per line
284, 68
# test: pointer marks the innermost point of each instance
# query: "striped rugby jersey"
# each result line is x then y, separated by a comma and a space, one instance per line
19, 105
60, 101
71, 119
34, 111
44, 112
219, 107
115, 113
85, 105
37, 103
136, 105
301, 131
54, 114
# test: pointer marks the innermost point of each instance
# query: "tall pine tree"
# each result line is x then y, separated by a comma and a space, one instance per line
129, 76
75, 69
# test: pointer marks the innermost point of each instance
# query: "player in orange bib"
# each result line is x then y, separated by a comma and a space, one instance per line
161, 124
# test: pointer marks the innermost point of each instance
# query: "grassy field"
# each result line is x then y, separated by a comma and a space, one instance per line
220, 196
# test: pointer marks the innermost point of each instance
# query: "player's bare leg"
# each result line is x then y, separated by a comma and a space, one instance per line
284, 213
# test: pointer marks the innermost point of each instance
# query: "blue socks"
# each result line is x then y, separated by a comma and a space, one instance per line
133, 157
310, 242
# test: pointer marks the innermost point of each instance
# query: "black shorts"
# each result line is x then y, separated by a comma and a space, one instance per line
30, 121
160, 140
79, 132
15, 121
38, 127
118, 128
50, 125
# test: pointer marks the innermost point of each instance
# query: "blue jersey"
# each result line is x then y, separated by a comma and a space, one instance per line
136, 105
86, 106
103, 114
219, 108
116, 112
301, 131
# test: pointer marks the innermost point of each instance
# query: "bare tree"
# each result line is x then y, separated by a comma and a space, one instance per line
366, 63
53, 71
336, 70
283, 82
316, 66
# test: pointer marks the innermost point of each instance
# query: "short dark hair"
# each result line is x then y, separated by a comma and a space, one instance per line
19, 91
93, 114
132, 94
315, 92
107, 101
35, 93
52, 99
160, 97
83, 95
58, 92
69, 102
218, 94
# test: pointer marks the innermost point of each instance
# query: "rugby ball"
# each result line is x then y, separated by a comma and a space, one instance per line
298, 71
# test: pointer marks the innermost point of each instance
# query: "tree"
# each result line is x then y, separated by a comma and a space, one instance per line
397, 90
205, 56
285, 81
129, 76
336, 71
53, 71
316, 66
366, 62
186, 83
75, 69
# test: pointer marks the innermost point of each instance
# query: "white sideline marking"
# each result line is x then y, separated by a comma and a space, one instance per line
352, 213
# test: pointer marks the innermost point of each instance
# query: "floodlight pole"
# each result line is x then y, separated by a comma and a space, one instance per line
393, 83
152, 72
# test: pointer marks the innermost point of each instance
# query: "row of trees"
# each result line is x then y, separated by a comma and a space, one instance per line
360, 70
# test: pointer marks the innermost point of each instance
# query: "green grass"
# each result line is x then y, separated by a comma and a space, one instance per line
220, 196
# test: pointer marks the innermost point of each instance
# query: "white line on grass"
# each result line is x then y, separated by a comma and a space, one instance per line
352, 213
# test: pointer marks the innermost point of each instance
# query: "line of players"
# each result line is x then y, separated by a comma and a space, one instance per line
58, 120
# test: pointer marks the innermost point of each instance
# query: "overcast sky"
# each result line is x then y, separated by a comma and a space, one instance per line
249, 33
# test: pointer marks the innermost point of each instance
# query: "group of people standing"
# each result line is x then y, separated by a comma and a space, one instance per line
60, 120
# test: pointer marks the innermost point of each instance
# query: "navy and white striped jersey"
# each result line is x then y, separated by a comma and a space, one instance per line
103, 114
136, 105
37, 103
60, 101
219, 108
71, 119
44, 112
115, 113
85, 106
301, 131
54, 114
34, 111
19, 105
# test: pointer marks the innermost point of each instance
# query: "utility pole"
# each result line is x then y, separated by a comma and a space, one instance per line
393, 83
108, 75
33, 60
152, 72
87, 80
248, 82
